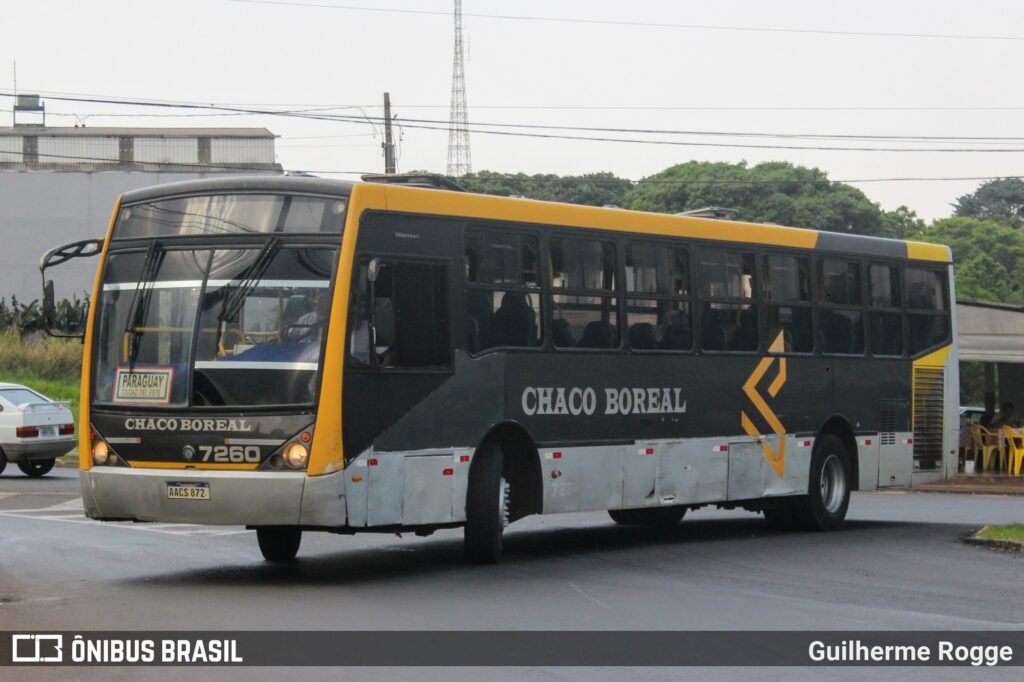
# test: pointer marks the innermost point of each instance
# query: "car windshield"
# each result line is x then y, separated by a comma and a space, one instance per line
213, 326
20, 396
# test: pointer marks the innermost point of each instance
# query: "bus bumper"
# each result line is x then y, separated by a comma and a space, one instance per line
237, 498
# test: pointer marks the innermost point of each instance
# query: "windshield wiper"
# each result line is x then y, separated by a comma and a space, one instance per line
139, 307
235, 299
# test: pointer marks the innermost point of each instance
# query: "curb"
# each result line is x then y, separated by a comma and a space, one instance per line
1005, 545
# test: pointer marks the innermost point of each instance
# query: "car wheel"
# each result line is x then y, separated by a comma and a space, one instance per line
36, 468
828, 496
651, 516
279, 544
3, 461
486, 506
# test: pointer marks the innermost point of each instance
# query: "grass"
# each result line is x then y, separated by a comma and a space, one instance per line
1012, 531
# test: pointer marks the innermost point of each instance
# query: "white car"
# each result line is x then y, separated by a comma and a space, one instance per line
34, 430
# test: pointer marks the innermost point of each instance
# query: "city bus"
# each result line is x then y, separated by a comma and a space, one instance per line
295, 354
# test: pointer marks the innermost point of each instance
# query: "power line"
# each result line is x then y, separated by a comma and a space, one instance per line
639, 24
430, 124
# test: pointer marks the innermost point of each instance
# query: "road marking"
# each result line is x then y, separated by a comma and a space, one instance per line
53, 513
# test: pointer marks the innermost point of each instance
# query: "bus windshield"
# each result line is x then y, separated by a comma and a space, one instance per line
212, 326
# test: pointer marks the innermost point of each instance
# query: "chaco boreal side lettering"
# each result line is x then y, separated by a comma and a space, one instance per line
575, 401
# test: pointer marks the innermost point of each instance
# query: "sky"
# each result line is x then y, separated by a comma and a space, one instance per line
807, 69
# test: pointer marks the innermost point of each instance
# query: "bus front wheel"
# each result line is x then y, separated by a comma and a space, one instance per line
828, 496
486, 506
279, 544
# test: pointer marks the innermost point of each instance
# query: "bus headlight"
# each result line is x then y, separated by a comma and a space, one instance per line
295, 455
100, 452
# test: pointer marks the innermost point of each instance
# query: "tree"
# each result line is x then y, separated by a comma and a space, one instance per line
593, 189
998, 200
989, 257
773, 192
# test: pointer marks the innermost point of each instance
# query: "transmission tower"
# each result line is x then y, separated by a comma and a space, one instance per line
459, 163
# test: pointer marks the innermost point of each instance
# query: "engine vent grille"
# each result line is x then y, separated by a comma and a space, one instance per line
929, 387
887, 426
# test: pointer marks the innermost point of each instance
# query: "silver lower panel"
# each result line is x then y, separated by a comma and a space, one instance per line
237, 498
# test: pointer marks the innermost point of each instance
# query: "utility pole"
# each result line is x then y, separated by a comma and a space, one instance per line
458, 123
389, 142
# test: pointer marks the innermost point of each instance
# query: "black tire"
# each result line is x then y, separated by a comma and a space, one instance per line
36, 468
661, 517
828, 496
279, 544
3, 461
486, 506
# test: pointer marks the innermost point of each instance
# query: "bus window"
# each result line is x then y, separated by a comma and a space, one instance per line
927, 309
841, 328
727, 321
660, 319
885, 318
410, 305
584, 316
502, 290
787, 286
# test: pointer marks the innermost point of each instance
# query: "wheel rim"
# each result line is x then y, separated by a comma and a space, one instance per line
833, 484
503, 490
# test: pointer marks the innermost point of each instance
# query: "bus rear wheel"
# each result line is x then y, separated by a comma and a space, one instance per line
486, 506
828, 496
652, 516
36, 468
279, 544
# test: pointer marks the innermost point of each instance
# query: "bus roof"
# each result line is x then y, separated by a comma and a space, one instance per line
487, 207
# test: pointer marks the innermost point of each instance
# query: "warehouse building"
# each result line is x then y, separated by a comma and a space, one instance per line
58, 185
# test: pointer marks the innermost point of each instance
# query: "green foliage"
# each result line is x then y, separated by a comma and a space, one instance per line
593, 189
773, 192
28, 317
999, 200
989, 258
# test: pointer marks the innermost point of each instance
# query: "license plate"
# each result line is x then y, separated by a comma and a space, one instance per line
47, 431
188, 491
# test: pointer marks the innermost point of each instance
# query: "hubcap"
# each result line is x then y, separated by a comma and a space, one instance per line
833, 484
503, 490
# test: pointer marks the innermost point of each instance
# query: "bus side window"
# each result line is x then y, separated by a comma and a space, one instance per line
840, 316
502, 290
927, 308
414, 296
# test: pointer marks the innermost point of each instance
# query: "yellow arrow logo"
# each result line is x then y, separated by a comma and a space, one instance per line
776, 459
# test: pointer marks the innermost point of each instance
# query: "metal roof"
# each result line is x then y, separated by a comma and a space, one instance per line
28, 131
136, 167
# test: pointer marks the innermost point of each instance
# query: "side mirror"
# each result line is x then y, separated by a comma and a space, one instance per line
57, 256
383, 323
49, 306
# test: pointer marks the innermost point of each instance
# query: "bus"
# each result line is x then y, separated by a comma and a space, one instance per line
296, 354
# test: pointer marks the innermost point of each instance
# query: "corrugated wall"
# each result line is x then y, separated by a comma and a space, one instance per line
87, 149
10, 149
241, 150
167, 149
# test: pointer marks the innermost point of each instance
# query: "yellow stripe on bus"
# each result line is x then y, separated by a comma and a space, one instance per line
198, 465
84, 416
923, 251
434, 202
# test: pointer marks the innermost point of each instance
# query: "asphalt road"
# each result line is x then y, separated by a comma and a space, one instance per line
897, 564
